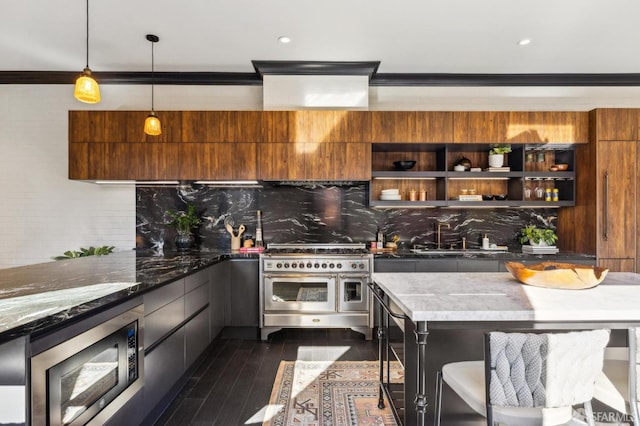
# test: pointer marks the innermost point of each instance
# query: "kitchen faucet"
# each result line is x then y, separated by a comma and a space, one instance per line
441, 224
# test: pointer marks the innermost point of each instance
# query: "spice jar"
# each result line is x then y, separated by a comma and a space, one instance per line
555, 196
547, 194
413, 195
423, 195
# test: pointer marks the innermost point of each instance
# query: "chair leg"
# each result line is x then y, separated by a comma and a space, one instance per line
588, 411
437, 409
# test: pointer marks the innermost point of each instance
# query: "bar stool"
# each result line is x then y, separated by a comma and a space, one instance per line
533, 379
617, 386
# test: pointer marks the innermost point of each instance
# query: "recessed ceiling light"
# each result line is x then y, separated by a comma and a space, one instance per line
284, 39
524, 42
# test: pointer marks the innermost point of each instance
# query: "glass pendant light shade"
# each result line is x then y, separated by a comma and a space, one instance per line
152, 125
87, 89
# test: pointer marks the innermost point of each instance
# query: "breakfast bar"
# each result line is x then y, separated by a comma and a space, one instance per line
443, 316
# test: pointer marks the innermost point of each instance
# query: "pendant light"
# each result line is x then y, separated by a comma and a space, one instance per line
152, 123
87, 89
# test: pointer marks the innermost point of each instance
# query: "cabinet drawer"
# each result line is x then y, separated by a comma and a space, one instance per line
163, 320
162, 369
194, 281
195, 300
160, 297
196, 336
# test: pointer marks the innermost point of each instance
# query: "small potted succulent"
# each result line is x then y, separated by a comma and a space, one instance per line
537, 236
185, 223
496, 154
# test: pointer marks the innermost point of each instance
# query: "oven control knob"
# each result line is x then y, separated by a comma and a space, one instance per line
331, 265
339, 266
294, 265
309, 265
354, 266
286, 265
324, 266
278, 265
361, 266
316, 265
301, 265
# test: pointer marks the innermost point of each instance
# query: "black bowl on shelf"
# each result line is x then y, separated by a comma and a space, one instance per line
500, 197
404, 164
487, 197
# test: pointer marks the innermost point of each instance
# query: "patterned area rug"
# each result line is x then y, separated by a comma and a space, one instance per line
325, 393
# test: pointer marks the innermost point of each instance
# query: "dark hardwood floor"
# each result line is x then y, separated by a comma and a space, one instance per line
233, 384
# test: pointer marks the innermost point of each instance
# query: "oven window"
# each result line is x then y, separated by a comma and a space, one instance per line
299, 292
352, 291
87, 383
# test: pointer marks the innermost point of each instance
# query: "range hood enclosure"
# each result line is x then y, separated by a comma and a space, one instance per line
286, 92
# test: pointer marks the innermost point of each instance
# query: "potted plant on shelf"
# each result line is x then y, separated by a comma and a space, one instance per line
184, 222
537, 236
496, 154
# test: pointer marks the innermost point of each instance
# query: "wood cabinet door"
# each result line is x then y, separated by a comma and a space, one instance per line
411, 126
616, 124
616, 180
142, 161
521, 127
218, 161
316, 126
281, 161
221, 126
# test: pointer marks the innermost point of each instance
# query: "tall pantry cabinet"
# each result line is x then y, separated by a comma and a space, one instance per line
607, 213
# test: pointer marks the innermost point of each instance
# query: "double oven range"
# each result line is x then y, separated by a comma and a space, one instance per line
315, 285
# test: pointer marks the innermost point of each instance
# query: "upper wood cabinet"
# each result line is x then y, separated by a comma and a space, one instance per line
316, 126
122, 126
314, 161
217, 161
221, 126
411, 126
521, 127
615, 124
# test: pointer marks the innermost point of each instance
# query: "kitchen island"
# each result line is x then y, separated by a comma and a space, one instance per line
445, 314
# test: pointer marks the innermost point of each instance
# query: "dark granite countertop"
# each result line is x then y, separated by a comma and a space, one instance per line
36, 299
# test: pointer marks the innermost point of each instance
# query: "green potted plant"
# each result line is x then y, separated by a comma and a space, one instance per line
537, 236
184, 222
496, 154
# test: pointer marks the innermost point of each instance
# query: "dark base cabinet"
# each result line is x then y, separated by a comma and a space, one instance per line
178, 320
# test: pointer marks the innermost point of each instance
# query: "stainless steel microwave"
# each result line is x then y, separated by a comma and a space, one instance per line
86, 379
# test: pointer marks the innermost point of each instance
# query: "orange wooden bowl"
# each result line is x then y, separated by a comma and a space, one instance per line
568, 276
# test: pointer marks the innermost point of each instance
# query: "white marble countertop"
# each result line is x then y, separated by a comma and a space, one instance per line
499, 296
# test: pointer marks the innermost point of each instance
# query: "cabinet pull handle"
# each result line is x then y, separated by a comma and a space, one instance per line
605, 231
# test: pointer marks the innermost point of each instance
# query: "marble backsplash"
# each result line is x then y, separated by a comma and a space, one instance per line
321, 214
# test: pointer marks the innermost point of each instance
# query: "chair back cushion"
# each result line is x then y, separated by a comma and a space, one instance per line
544, 370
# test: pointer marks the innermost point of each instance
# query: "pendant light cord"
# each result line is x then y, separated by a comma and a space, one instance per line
87, 33
152, 75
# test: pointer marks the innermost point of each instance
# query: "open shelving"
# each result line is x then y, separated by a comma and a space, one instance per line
434, 172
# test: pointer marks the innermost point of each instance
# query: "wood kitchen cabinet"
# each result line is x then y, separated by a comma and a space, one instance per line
605, 221
411, 126
315, 145
308, 126
520, 127
221, 126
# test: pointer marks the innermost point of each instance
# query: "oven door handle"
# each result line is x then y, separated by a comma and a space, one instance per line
354, 276
374, 291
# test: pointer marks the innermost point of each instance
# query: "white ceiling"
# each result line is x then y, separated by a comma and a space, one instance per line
406, 36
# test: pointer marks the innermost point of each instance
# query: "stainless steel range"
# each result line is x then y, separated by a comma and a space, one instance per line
315, 285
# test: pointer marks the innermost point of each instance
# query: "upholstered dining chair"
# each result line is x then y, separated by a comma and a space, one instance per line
618, 385
529, 379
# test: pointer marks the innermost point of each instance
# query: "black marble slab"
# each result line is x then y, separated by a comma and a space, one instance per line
321, 214
44, 300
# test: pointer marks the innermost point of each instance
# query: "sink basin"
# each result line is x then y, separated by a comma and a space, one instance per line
455, 252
